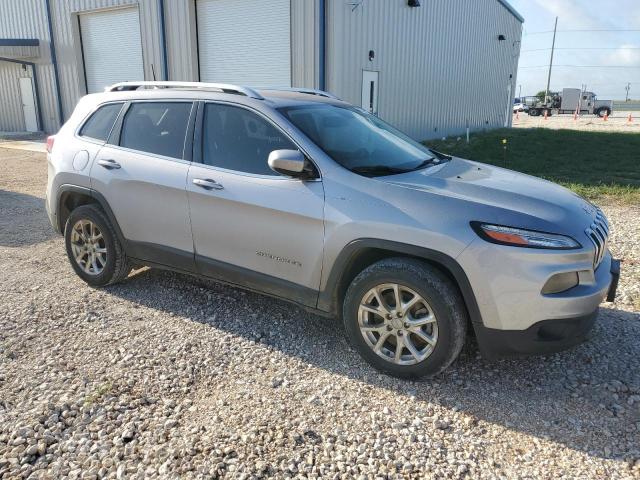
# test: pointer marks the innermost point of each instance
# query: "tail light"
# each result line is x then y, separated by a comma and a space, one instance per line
50, 141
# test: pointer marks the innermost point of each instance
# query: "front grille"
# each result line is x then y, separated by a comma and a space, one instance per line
598, 232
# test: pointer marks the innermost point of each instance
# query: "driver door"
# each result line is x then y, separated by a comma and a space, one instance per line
252, 226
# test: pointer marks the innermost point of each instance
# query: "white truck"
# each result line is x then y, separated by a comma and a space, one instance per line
573, 99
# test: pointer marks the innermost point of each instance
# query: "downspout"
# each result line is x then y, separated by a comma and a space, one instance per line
35, 86
322, 20
54, 61
163, 41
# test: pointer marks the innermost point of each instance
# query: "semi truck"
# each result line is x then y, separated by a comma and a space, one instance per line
569, 101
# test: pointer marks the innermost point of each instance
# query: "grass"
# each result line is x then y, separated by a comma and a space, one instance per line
597, 165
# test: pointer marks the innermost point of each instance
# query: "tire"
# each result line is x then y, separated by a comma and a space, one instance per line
602, 111
113, 266
442, 302
534, 112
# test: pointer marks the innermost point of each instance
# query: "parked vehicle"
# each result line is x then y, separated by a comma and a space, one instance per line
299, 195
520, 107
569, 101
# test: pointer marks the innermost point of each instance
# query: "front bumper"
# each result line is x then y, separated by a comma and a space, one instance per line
546, 336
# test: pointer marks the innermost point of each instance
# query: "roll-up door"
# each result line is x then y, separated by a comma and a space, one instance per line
247, 42
111, 47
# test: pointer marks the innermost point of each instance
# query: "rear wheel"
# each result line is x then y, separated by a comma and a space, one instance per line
405, 317
93, 247
534, 112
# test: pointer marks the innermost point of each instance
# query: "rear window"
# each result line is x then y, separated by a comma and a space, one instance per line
156, 127
100, 123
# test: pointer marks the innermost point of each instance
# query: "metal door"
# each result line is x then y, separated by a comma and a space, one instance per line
28, 104
370, 91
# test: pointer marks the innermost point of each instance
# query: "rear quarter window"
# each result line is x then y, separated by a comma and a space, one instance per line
101, 122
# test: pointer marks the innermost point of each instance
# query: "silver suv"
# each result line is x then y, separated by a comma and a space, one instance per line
296, 194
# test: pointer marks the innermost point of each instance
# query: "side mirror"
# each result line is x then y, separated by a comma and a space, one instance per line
291, 163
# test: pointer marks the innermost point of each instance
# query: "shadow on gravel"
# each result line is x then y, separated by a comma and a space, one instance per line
578, 398
23, 220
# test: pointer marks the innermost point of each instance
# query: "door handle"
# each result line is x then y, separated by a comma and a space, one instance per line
109, 164
207, 184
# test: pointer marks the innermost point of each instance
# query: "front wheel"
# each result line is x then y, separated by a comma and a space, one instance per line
405, 318
603, 111
93, 247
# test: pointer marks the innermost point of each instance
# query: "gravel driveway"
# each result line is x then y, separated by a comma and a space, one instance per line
169, 376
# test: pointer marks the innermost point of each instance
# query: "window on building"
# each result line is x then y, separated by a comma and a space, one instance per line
156, 127
101, 122
238, 139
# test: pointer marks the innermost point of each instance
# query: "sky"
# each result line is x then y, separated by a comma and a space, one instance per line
613, 54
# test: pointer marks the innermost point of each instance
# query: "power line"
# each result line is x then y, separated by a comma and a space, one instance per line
581, 66
580, 48
584, 30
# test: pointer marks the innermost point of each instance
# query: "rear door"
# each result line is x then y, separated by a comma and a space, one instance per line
252, 226
142, 172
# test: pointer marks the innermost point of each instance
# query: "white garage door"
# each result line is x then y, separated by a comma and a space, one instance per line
111, 47
247, 42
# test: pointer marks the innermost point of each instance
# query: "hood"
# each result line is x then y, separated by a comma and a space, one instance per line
504, 189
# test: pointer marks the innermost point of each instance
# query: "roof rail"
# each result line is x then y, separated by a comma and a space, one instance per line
309, 91
223, 87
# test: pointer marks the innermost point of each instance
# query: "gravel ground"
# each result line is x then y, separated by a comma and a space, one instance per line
169, 376
617, 122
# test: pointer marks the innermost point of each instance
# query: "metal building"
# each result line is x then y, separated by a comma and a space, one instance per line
431, 67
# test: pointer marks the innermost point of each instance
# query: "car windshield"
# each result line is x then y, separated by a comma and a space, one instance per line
359, 141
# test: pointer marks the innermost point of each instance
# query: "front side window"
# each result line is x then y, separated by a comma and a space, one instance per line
156, 127
101, 122
238, 139
359, 141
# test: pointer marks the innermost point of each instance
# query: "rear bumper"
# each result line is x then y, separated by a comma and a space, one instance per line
546, 336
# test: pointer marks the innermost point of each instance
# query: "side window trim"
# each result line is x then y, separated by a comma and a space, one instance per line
198, 140
88, 117
114, 136
116, 131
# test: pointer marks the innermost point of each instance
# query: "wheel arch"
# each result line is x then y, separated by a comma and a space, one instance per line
361, 253
73, 196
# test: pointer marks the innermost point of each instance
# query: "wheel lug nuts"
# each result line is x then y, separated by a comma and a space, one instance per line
389, 327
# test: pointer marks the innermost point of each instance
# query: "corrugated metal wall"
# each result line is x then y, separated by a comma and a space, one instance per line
441, 65
27, 19
182, 48
304, 43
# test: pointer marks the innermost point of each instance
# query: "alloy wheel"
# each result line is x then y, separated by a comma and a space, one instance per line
88, 247
398, 324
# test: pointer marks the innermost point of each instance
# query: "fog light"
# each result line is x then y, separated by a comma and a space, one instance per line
560, 282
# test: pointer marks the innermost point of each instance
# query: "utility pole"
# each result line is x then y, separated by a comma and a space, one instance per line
553, 46
520, 92
627, 88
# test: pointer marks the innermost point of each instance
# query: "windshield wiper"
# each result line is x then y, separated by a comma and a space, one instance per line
426, 162
377, 170
440, 155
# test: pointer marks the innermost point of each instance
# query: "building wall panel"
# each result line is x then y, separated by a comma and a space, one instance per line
441, 65
182, 49
27, 19
304, 43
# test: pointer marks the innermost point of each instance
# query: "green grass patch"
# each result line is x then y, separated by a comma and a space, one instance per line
597, 165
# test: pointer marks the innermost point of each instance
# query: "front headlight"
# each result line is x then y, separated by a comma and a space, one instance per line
518, 237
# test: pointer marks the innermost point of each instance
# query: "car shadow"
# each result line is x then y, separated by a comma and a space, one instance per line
32, 226
538, 396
